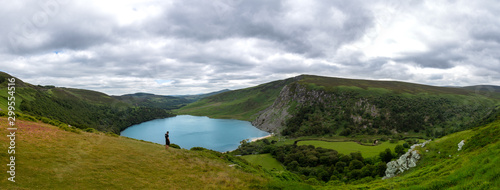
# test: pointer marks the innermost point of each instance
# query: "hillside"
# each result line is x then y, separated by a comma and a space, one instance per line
49, 158
314, 105
243, 104
76, 107
153, 101
443, 166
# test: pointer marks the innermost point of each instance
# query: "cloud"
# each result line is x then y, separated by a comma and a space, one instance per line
121, 47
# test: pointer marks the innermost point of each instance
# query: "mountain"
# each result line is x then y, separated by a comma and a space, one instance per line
56, 159
153, 101
76, 107
196, 97
50, 155
315, 105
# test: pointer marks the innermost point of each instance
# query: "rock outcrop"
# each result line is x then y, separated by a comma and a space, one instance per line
405, 162
273, 118
460, 145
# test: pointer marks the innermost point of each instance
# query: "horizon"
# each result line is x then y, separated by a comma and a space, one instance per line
197, 47
202, 93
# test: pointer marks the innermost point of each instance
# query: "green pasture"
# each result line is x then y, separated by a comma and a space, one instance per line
348, 147
264, 160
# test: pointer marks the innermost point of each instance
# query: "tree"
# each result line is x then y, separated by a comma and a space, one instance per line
339, 166
381, 167
405, 145
357, 156
355, 174
293, 166
399, 150
386, 156
368, 170
355, 164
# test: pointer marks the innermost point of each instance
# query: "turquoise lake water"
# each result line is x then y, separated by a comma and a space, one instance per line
196, 131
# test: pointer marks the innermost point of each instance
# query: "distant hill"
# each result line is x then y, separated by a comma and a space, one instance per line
316, 105
483, 88
161, 101
153, 101
196, 97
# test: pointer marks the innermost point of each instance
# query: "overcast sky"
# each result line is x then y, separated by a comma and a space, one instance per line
189, 47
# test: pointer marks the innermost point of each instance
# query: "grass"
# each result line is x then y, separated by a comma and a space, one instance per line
348, 147
265, 160
50, 158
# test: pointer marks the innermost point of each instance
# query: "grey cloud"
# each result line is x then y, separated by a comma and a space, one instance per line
211, 45
204, 21
441, 57
46, 26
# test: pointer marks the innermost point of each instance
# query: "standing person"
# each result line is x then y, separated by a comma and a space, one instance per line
167, 141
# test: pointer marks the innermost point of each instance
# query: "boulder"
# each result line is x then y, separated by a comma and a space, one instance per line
405, 162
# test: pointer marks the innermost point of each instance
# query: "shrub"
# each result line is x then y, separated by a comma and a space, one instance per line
406, 145
90, 130
399, 150
386, 156
175, 146
196, 148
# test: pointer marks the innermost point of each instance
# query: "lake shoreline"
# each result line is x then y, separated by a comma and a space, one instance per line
196, 131
259, 138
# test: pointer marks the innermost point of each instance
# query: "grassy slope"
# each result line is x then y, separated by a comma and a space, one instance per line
477, 166
265, 160
49, 158
395, 86
348, 147
241, 104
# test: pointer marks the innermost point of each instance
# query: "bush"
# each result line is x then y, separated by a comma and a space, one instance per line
386, 156
90, 130
406, 145
175, 146
196, 148
399, 150
312, 181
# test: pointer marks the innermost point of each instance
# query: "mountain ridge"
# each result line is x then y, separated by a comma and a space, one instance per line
358, 105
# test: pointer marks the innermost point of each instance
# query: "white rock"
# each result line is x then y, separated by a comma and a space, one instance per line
460, 145
405, 162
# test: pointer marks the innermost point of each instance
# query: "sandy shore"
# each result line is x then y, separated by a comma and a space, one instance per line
256, 139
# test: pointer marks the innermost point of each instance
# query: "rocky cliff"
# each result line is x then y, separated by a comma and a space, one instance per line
293, 95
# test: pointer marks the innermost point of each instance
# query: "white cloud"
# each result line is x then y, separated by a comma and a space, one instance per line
120, 47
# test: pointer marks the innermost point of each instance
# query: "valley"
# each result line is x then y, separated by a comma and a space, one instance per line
323, 128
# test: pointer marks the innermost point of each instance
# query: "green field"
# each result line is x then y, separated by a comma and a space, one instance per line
348, 147
264, 160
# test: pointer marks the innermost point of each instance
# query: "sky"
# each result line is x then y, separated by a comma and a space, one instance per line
188, 47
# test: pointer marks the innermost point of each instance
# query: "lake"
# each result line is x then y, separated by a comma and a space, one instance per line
196, 131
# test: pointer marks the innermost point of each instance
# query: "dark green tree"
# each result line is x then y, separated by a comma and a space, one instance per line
386, 156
